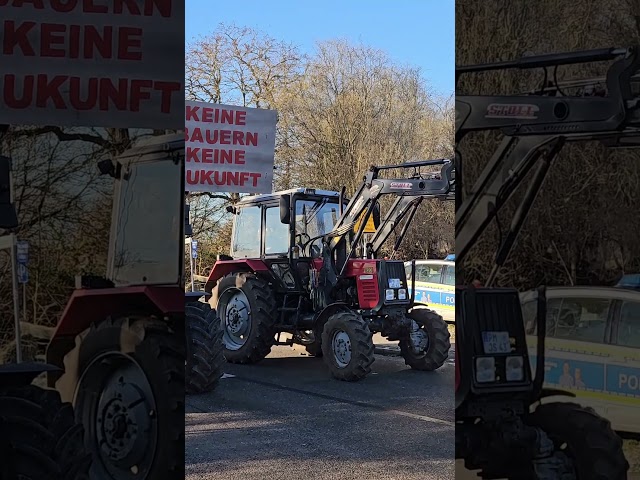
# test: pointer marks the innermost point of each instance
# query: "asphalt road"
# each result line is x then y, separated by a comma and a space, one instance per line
286, 418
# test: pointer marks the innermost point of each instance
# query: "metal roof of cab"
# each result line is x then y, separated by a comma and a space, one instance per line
155, 144
271, 196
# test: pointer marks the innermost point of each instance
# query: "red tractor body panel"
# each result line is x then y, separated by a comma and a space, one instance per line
366, 275
94, 305
225, 267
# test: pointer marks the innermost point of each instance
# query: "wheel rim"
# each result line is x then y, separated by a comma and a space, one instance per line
341, 348
235, 314
418, 339
121, 421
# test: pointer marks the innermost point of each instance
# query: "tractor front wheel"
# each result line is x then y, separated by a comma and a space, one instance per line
247, 309
205, 359
127, 380
347, 346
585, 437
428, 344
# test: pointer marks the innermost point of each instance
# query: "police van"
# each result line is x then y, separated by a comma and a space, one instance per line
592, 349
435, 285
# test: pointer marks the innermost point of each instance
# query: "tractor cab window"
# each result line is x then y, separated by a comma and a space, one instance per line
246, 233
146, 243
276, 240
314, 218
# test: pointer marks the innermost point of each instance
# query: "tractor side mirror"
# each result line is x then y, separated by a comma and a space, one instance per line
285, 209
8, 217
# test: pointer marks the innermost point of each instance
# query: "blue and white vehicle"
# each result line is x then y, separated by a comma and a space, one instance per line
592, 348
435, 285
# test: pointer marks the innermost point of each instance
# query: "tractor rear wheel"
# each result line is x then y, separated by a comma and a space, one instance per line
40, 438
428, 345
247, 309
588, 440
204, 348
347, 346
126, 377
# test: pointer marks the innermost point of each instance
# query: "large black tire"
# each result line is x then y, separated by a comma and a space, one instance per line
359, 344
263, 313
126, 377
438, 346
205, 359
592, 445
44, 441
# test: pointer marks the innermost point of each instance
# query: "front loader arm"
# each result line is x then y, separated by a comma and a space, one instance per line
364, 201
536, 132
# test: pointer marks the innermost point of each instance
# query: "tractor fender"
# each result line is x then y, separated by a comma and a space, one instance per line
20, 374
224, 267
326, 312
87, 306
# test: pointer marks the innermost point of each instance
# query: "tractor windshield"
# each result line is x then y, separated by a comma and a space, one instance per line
146, 242
315, 218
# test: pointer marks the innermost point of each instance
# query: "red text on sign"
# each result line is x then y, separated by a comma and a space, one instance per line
216, 115
210, 177
222, 137
62, 92
72, 41
214, 155
128, 7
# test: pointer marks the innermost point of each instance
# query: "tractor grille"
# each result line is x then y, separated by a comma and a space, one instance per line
395, 270
499, 310
369, 289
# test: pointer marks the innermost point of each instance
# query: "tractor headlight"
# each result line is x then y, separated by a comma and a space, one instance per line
390, 294
402, 294
485, 369
515, 369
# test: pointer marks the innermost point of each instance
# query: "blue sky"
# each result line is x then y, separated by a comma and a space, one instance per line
415, 32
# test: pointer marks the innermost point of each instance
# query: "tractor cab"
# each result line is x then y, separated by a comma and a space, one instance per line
284, 231
147, 214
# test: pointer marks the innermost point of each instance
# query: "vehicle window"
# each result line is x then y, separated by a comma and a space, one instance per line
276, 239
530, 312
246, 241
629, 325
583, 319
449, 275
314, 219
428, 273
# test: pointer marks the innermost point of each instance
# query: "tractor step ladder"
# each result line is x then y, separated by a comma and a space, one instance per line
285, 308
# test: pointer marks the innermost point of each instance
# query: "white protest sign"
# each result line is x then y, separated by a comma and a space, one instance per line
92, 62
228, 148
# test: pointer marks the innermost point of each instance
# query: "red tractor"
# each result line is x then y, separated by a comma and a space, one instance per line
293, 268
123, 341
